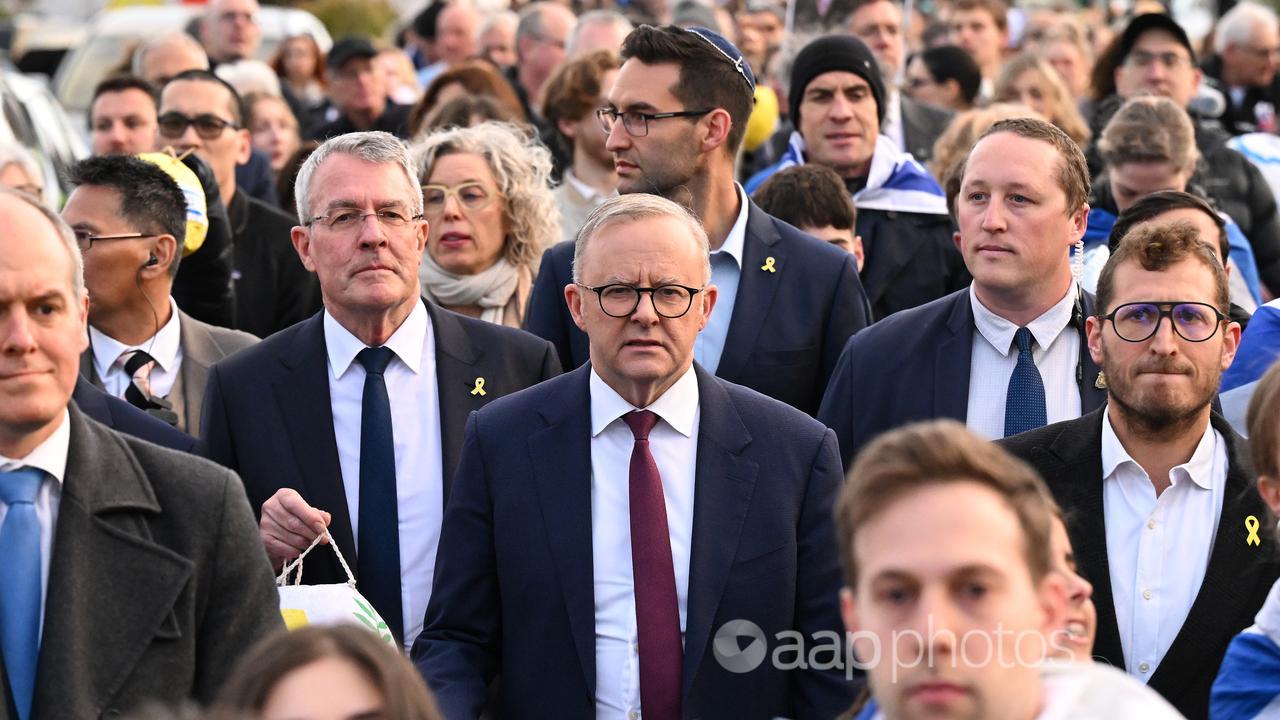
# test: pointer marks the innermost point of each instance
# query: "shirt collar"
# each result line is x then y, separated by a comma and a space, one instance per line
163, 346
1045, 329
588, 193
49, 456
734, 241
1199, 469
406, 342
678, 406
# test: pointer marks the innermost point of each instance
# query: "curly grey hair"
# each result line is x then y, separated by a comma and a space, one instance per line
522, 169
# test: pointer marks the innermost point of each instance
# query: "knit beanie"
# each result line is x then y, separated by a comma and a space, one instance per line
830, 53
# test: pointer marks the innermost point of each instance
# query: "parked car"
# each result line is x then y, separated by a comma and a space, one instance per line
33, 118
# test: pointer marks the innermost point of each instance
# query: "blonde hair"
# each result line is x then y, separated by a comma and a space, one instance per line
522, 169
954, 144
1149, 129
1062, 105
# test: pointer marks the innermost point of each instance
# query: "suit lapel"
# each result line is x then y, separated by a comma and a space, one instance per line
952, 360
723, 484
102, 549
87, 369
198, 354
561, 455
1092, 397
756, 290
456, 376
302, 393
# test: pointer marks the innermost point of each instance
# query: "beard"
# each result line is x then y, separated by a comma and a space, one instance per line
1160, 411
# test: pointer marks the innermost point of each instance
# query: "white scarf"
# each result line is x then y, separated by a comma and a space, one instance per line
489, 289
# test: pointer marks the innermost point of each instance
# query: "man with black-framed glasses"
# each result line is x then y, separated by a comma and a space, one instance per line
674, 121
1157, 486
201, 113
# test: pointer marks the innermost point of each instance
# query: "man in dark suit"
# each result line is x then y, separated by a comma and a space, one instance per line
1157, 488
788, 301
353, 419
130, 219
575, 579
1013, 339
131, 572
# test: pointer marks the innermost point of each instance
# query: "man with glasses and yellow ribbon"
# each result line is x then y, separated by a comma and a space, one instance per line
1157, 488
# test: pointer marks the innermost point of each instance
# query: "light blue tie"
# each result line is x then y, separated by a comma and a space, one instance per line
20, 584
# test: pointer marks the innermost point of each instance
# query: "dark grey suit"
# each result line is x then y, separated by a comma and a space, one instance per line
921, 126
157, 584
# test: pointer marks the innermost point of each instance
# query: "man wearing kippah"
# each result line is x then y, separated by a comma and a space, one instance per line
837, 105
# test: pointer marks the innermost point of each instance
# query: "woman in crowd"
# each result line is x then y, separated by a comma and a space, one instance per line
18, 170
487, 196
945, 77
402, 79
341, 671
1081, 627
1066, 48
1031, 81
299, 63
470, 78
954, 143
273, 128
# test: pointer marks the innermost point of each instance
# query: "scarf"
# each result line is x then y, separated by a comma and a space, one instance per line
489, 289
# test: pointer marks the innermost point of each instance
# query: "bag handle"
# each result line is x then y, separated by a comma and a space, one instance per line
283, 579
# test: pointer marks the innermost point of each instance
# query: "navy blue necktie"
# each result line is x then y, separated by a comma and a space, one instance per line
20, 584
378, 546
1024, 403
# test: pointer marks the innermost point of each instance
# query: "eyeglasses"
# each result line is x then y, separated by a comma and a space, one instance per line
208, 126
637, 123
1192, 321
669, 301
471, 196
348, 220
915, 83
1171, 60
86, 239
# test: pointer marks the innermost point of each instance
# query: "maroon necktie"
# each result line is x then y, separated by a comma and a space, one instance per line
654, 578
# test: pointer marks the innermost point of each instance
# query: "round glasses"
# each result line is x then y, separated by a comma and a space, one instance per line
1192, 321
669, 301
208, 126
470, 195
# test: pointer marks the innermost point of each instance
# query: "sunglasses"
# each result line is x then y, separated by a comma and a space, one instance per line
207, 125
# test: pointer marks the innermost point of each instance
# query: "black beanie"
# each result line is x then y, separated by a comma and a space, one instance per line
830, 53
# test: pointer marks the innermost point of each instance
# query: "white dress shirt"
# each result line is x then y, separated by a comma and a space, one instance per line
994, 356
726, 270
51, 457
1158, 548
415, 422
674, 444
165, 346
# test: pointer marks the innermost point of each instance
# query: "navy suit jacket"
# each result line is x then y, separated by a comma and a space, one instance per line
914, 365
514, 594
268, 416
788, 327
1068, 455
123, 417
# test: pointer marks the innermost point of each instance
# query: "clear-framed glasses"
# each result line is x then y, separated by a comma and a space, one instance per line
637, 123
208, 126
472, 196
669, 301
86, 239
1171, 60
1136, 322
350, 219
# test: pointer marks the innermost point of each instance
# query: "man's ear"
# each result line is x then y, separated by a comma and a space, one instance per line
569, 128
718, 124
573, 298
166, 252
246, 146
1093, 331
301, 237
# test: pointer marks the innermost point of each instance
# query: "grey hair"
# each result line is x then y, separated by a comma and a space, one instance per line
11, 153
1237, 24
502, 17
65, 234
250, 77
596, 17
633, 207
531, 19
521, 168
172, 38
375, 147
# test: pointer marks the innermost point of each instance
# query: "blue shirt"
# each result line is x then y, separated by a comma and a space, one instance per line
726, 269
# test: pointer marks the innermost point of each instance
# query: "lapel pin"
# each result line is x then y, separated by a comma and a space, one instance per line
479, 388
768, 265
1251, 524
1101, 381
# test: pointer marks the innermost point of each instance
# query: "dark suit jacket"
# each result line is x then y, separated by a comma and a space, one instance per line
157, 584
788, 326
921, 126
915, 366
1068, 455
267, 413
514, 595
123, 417
202, 346
273, 289
911, 259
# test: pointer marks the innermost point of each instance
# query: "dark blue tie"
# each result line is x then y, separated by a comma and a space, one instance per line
378, 546
1024, 404
20, 584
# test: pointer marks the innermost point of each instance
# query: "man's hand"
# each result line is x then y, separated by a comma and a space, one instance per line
289, 525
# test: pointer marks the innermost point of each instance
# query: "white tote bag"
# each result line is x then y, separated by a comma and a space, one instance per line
303, 605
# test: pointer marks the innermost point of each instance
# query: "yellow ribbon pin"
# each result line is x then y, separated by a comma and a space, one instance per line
768, 265
1251, 524
479, 388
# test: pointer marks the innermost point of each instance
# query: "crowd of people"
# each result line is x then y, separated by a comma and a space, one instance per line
658, 359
